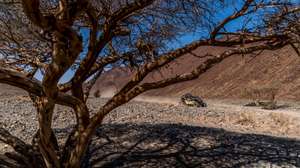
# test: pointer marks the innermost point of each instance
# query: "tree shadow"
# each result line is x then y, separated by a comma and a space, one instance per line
175, 145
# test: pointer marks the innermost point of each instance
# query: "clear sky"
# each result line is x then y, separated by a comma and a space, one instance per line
237, 24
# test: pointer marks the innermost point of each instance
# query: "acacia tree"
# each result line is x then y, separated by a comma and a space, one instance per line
87, 36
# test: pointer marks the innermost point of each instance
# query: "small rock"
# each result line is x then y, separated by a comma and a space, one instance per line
190, 100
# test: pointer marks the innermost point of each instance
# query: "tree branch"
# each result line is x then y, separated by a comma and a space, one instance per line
25, 151
107, 35
209, 63
34, 86
32, 10
167, 58
19, 145
230, 18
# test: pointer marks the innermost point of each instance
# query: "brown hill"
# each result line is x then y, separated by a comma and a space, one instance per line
232, 78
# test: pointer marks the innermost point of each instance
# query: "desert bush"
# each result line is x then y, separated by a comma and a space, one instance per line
264, 97
261, 93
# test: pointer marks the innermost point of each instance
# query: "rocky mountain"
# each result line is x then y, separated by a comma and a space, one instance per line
270, 71
233, 78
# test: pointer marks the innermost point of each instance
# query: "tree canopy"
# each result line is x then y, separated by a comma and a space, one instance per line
87, 36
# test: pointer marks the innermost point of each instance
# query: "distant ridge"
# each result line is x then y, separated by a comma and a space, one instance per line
272, 69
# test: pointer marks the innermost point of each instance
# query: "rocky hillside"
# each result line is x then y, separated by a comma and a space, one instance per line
232, 78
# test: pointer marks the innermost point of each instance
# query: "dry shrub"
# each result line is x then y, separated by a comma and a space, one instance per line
264, 97
261, 93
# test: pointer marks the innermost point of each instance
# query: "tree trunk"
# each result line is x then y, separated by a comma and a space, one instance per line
47, 141
75, 153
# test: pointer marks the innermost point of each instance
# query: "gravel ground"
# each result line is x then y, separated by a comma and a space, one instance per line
18, 115
185, 136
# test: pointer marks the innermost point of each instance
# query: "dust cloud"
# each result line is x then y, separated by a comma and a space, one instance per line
158, 99
108, 93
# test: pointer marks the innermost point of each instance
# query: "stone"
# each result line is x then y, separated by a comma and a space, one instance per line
194, 101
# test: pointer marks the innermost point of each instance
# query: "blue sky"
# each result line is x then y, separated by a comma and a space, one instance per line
183, 40
189, 37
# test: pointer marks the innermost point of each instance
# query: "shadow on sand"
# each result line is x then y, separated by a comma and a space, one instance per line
174, 145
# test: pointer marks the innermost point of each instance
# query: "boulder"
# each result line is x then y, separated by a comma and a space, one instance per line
194, 101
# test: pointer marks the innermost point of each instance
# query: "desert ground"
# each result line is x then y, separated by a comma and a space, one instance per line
161, 132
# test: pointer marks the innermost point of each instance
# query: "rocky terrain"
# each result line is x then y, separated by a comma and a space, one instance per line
151, 134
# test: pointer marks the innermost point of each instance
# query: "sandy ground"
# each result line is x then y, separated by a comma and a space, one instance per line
232, 115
